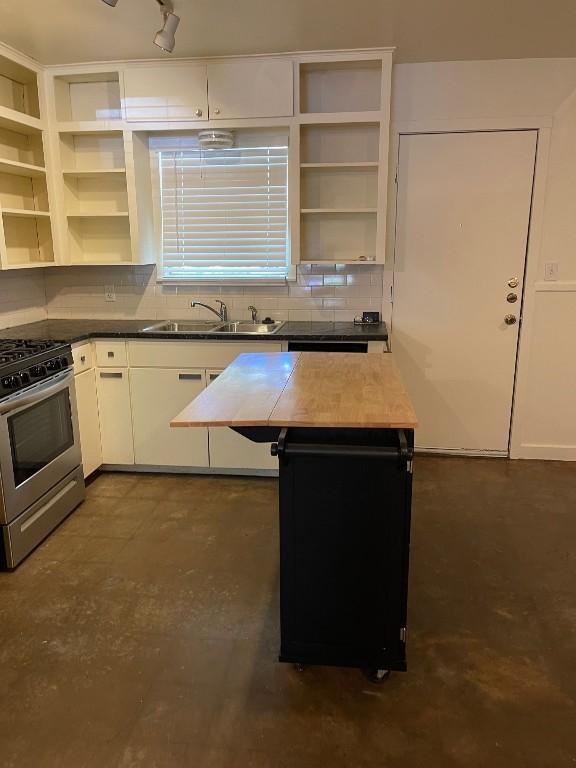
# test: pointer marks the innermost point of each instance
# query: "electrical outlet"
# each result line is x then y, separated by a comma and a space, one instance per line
110, 293
551, 270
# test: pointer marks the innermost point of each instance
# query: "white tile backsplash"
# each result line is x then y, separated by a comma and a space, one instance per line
22, 297
321, 292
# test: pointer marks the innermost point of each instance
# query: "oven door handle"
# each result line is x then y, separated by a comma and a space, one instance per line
40, 392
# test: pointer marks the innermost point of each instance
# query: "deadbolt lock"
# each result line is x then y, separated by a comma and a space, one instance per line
511, 298
513, 282
510, 319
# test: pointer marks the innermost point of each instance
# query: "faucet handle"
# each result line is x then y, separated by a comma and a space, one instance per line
254, 312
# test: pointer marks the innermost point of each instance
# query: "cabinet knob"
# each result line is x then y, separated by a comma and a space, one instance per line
510, 319
198, 113
216, 111
511, 298
82, 358
513, 282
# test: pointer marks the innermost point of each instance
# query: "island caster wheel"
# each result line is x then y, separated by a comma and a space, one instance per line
377, 675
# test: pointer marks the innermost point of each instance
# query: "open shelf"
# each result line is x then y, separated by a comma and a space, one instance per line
92, 96
339, 165
15, 168
92, 172
337, 210
22, 149
12, 120
23, 193
28, 240
338, 238
96, 214
18, 88
24, 213
341, 188
339, 143
103, 151
94, 240
96, 195
340, 86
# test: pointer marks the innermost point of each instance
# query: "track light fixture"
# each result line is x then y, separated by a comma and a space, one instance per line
164, 38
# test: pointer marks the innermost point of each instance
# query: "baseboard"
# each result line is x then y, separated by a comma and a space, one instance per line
462, 452
545, 452
156, 469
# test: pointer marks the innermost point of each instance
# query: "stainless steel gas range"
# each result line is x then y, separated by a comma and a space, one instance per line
41, 478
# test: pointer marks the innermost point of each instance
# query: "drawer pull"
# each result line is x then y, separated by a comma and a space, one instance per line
110, 354
189, 376
214, 376
82, 358
111, 375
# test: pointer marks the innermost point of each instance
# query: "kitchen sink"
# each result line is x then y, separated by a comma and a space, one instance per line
206, 326
198, 326
260, 329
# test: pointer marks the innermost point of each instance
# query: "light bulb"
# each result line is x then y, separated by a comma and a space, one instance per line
165, 37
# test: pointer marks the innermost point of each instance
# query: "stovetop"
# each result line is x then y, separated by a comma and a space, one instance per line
25, 362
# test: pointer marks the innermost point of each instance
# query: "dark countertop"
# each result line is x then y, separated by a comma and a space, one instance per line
79, 330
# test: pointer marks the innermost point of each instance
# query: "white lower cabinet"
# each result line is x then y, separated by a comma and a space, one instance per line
159, 394
229, 450
88, 421
115, 411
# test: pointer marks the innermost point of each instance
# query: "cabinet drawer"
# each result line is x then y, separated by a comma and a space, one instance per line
192, 354
111, 354
83, 359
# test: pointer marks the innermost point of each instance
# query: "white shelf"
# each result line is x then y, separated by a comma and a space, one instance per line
19, 122
338, 210
92, 127
15, 168
23, 213
93, 172
340, 261
328, 166
98, 215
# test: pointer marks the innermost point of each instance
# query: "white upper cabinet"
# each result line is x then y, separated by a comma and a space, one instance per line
257, 88
167, 92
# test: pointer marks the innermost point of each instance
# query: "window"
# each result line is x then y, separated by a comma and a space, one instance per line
224, 212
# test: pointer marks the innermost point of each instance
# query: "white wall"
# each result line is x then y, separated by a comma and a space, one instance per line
516, 94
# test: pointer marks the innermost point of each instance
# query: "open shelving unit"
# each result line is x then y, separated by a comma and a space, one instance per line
343, 114
25, 220
89, 98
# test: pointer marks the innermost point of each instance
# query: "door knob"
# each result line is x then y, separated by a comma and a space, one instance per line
513, 282
510, 319
511, 298
198, 113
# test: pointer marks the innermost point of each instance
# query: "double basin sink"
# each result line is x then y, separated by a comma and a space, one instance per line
200, 326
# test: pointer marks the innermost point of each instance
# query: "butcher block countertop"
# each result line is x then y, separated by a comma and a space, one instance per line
304, 389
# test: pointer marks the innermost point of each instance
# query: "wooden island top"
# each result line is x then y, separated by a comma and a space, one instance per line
304, 389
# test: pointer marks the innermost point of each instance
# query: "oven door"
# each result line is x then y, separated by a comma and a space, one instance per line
39, 442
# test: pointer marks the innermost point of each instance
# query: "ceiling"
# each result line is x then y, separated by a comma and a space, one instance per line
65, 31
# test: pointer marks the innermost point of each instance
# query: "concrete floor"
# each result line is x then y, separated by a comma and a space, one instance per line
144, 633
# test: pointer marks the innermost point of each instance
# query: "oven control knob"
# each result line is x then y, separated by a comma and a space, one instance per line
11, 382
37, 370
53, 365
64, 362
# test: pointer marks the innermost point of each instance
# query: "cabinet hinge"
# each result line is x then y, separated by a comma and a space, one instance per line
402, 634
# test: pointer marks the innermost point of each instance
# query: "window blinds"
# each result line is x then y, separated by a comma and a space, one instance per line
224, 213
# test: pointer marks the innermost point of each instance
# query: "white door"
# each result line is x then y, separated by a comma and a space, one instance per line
88, 421
159, 394
462, 220
250, 89
113, 390
173, 92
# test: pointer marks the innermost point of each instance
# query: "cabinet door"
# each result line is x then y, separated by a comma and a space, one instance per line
173, 92
159, 394
113, 390
88, 421
229, 450
250, 89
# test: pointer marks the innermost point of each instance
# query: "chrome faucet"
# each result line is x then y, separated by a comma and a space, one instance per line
254, 313
222, 313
